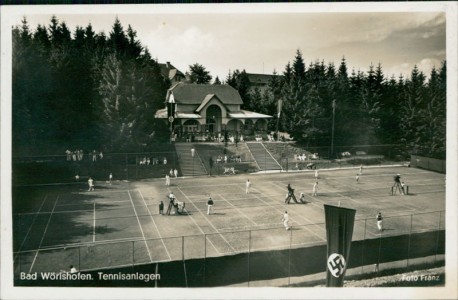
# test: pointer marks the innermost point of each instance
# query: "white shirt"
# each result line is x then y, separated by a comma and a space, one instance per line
286, 217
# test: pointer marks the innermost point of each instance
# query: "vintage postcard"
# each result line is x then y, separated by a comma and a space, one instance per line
231, 150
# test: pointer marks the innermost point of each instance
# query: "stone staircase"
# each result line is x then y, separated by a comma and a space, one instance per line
190, 166
263, 158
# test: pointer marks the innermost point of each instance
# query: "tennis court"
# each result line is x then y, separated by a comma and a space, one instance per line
119, 224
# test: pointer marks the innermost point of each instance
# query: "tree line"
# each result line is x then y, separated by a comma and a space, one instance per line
361, 108
84, 90
91, 90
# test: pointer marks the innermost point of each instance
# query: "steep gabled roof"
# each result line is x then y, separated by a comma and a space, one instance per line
169, 71
205, 102
190, 93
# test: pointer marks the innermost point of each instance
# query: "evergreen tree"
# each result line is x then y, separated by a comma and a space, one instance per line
412, 103
199, 74
217, 81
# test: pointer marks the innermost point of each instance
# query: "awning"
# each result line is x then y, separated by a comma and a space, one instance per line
245, 114
162, 114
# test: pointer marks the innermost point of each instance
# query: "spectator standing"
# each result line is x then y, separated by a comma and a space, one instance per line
94, 155
110, 178
175, 172
286, 220
209, 206
315, 189
379, 221
360, 169
69, 154
316, 174
193, 151
248, 185
161, 208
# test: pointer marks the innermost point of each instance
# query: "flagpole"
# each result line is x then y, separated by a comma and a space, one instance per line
332, 137
279, 103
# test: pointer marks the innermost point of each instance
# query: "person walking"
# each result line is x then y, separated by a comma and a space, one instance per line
161, 208
110, 178
357, 178
316, 174
193, 151
167, 179
286, 220
248, 185
315, 189
90, 183
379, 219
209, 206
360, 169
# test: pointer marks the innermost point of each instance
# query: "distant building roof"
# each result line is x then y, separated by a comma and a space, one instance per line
259, 79
169, 71
191, 93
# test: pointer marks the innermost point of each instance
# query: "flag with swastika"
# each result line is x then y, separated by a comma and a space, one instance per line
339, 232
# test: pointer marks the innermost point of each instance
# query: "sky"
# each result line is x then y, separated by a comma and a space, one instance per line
264, 42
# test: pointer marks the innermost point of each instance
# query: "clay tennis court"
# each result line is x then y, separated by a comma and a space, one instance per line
119, 224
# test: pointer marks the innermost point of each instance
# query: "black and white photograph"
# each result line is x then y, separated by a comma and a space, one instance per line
229, 150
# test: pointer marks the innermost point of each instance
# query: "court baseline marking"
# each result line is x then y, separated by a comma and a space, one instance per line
43, 236
31, 225
141, 229
208, 221
157, 229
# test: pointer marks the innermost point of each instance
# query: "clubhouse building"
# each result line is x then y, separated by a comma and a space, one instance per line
206, 112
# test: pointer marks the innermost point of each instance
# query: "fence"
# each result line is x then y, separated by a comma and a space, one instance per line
129, 166
428, 163
242, 257
123, 166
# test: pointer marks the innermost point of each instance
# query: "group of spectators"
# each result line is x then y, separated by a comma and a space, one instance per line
225, 159
77, 155
154, 161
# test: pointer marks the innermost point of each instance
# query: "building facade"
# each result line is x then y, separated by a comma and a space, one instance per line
208, 112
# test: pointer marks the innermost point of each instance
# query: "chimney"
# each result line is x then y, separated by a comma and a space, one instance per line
168, 65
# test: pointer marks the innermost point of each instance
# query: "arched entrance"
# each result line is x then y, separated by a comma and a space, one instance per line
190, 126
214, 119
